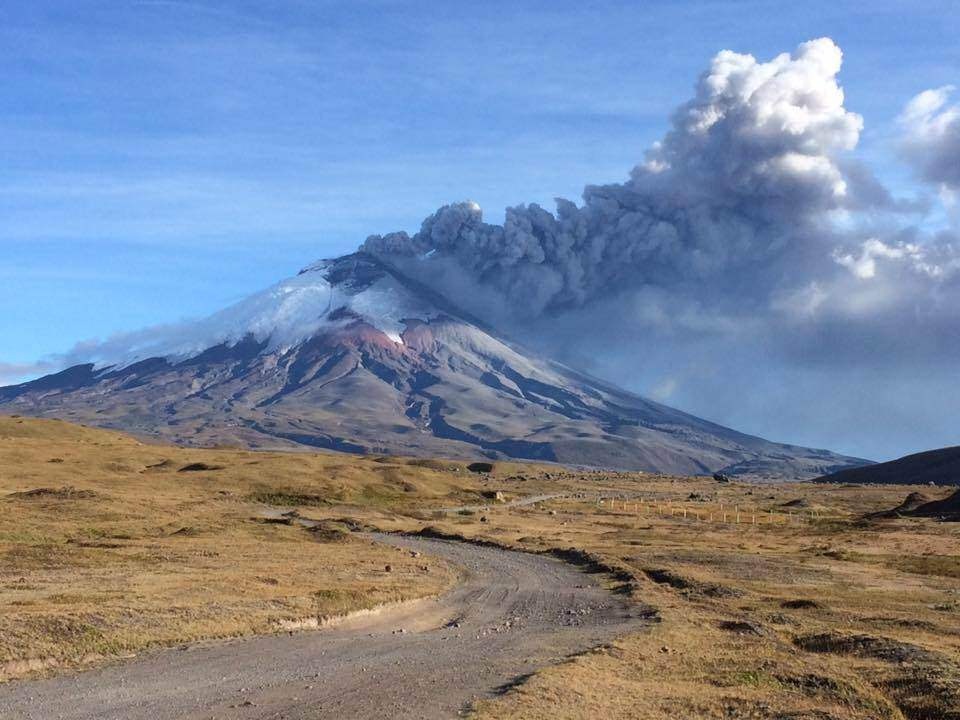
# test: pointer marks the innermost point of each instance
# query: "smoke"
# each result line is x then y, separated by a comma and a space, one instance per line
749, 215
748, 173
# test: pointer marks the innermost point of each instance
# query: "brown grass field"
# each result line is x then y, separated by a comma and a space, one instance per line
802, 610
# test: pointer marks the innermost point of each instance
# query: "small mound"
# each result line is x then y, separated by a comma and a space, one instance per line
199, 467
480, 467
801, 604
432, 531
917, 504
689, 586
782, 619
947, 509
186, 531
796, 503
119, 467
63, 493
914, 500
864, 646
742, 627
95, 544
431, 464
330, 531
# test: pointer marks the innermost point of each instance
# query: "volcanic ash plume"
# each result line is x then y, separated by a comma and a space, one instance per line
749, 168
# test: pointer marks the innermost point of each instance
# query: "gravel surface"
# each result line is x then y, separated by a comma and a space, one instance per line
513, 613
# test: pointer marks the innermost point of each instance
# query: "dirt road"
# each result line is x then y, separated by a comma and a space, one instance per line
513, 613
518, 502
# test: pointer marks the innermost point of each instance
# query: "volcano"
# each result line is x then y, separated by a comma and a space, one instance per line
352, 355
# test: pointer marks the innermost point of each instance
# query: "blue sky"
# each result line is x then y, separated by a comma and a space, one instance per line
163, 158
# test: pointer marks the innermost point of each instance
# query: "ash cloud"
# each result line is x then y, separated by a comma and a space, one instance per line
750, 211
748, 173
749, 239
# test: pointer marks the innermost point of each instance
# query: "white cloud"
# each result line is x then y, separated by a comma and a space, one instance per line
864, 265
933, 261
763, 128
931, 139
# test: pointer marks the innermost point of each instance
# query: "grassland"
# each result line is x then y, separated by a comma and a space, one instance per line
817, 615
802, 610
108, 548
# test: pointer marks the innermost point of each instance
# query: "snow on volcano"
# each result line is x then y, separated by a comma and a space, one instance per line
325, 296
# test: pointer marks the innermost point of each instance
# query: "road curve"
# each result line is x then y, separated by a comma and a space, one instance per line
513, 613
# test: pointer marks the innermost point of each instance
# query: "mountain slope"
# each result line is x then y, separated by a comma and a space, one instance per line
350, 355
935, 467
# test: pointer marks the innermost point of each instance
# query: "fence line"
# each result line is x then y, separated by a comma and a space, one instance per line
697, 511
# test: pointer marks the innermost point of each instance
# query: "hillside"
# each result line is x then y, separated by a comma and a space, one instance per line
933, 467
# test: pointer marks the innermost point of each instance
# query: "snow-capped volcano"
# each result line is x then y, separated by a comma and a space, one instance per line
323, 297
352, 355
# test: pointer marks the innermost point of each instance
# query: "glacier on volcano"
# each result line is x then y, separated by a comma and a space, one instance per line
282, 316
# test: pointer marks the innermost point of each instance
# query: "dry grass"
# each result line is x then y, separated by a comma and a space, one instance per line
816, 615
106, 548
820, 617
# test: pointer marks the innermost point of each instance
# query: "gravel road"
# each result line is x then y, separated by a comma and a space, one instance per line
513, 613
